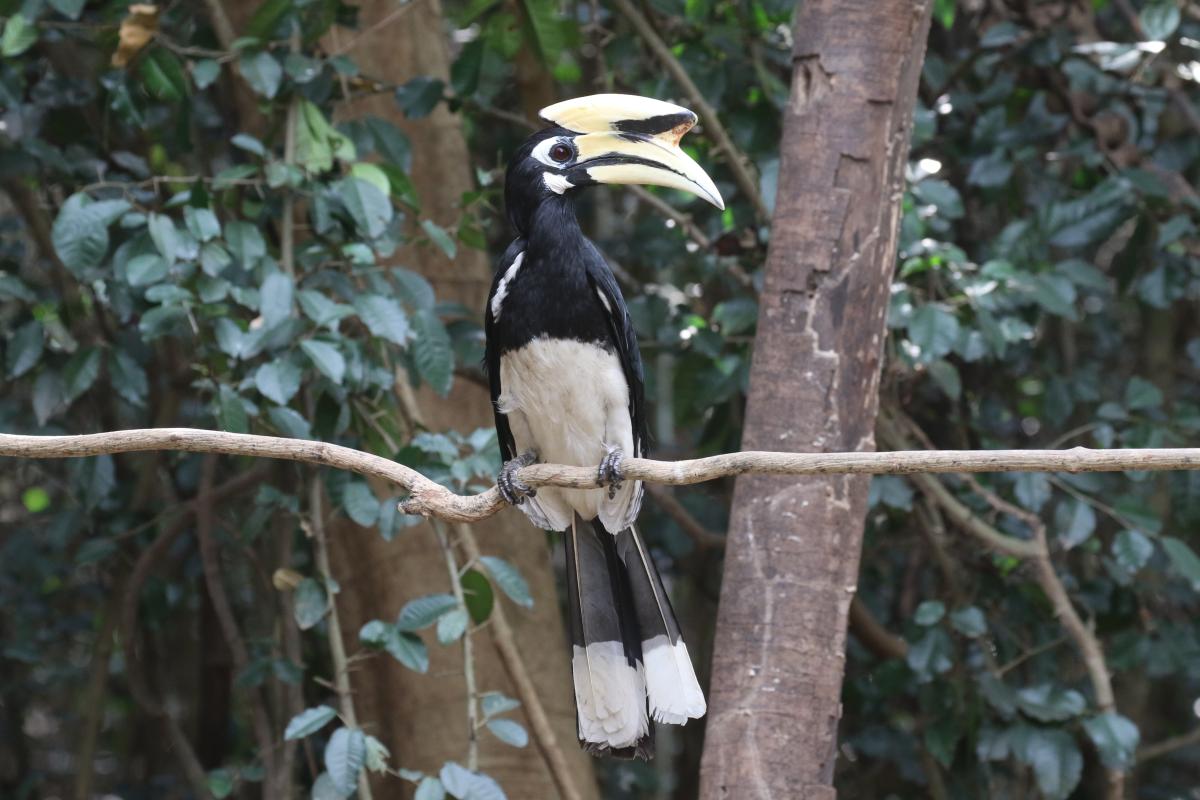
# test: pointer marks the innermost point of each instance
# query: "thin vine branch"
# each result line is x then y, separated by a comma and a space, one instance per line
431, 499
708, 115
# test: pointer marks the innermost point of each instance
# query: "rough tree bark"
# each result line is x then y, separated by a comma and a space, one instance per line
792, 558
422, 717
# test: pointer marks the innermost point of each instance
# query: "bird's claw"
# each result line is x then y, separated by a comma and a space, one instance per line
513, 489
610, 471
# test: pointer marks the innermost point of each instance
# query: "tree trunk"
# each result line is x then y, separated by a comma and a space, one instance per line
791, 562
422, 718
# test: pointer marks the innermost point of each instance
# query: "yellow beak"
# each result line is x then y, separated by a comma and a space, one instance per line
630, 139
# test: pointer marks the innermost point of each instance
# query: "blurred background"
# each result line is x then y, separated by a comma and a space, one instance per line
280, 217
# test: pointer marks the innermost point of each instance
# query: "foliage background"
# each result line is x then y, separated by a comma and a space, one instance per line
149, 276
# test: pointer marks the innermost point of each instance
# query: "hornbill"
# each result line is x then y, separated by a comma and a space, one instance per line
566, 383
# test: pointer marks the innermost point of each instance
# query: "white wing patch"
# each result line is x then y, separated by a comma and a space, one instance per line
502, 287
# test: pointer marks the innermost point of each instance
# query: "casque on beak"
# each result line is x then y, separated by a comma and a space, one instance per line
625, 138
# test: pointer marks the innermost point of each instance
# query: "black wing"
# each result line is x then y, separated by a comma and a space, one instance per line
491, 353
604, 283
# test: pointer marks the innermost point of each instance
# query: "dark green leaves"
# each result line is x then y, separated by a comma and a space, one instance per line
383, 317
19, 35
421, 612
278, 381
418, 97
432, 351
368, 205
509, 579
1050, 703
80, 232
1116, 738
24, 348
310, 603
345, 755
404, 646
934, 330
262, 72
326, 358
308, 722
1184, 560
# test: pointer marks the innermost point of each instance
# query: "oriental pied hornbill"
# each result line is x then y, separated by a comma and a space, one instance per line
566, 382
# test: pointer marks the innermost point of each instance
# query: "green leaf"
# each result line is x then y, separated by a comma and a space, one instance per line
509, 579
377, 755
969, 621
1184, 560
246, 243
290, 422
81, 372
19, 35
940, 194
262, 72
418, 97
372, 175
461, 783
160, 321
432, 351
1056, 762
265, 22
278, 381
438, 236
452, 625
931, 654
166, 239
1116, 739
417, 293
508, 731
68, 8
162, 74
344, 757
1048, 702
1079, 524
146, 269
421, 612
430, 788
390, 142
1132, 550
407, 648
324, 789
202, 223
275, 299
1142, 394
205, 73
494, 703
220, 783
80, 231
317, 142
467, 68
545, 25
326, 358
25, 348
934, 330
929, 613
310, 604
478, 595
49, 395
308, 722
369, 207
1159, 20
1032, 490
231, 413
321, 310
360, 503
383, 317
214, 259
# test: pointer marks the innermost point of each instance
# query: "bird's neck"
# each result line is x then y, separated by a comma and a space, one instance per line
553, 223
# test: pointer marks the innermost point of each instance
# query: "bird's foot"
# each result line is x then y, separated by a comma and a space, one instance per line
512, 489
610, 471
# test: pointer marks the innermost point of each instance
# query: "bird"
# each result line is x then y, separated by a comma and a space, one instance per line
565, 376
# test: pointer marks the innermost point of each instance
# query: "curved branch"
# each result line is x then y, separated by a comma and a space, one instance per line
431, 499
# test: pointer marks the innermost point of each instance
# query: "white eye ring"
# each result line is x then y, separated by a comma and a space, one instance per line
542, 152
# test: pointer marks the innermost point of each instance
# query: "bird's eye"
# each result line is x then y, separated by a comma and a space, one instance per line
561, 152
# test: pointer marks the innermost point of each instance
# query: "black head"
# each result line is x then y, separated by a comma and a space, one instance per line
608, 138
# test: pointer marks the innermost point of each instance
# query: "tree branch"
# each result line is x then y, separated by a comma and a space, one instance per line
431, 499
708, 115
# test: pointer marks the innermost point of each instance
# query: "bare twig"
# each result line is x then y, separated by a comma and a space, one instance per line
211, 560
708, 115
1167, 746
531, 702
433, 500
337, 647
876, 638
468, 650
701, 536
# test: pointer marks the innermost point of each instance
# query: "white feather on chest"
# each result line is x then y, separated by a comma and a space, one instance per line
569, 401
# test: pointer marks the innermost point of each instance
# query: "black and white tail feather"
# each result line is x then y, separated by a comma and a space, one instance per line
629, 661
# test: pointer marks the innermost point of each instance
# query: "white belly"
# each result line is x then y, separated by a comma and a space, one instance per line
569, 402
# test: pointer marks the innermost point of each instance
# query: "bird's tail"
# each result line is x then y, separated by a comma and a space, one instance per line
606, 658
674, 693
